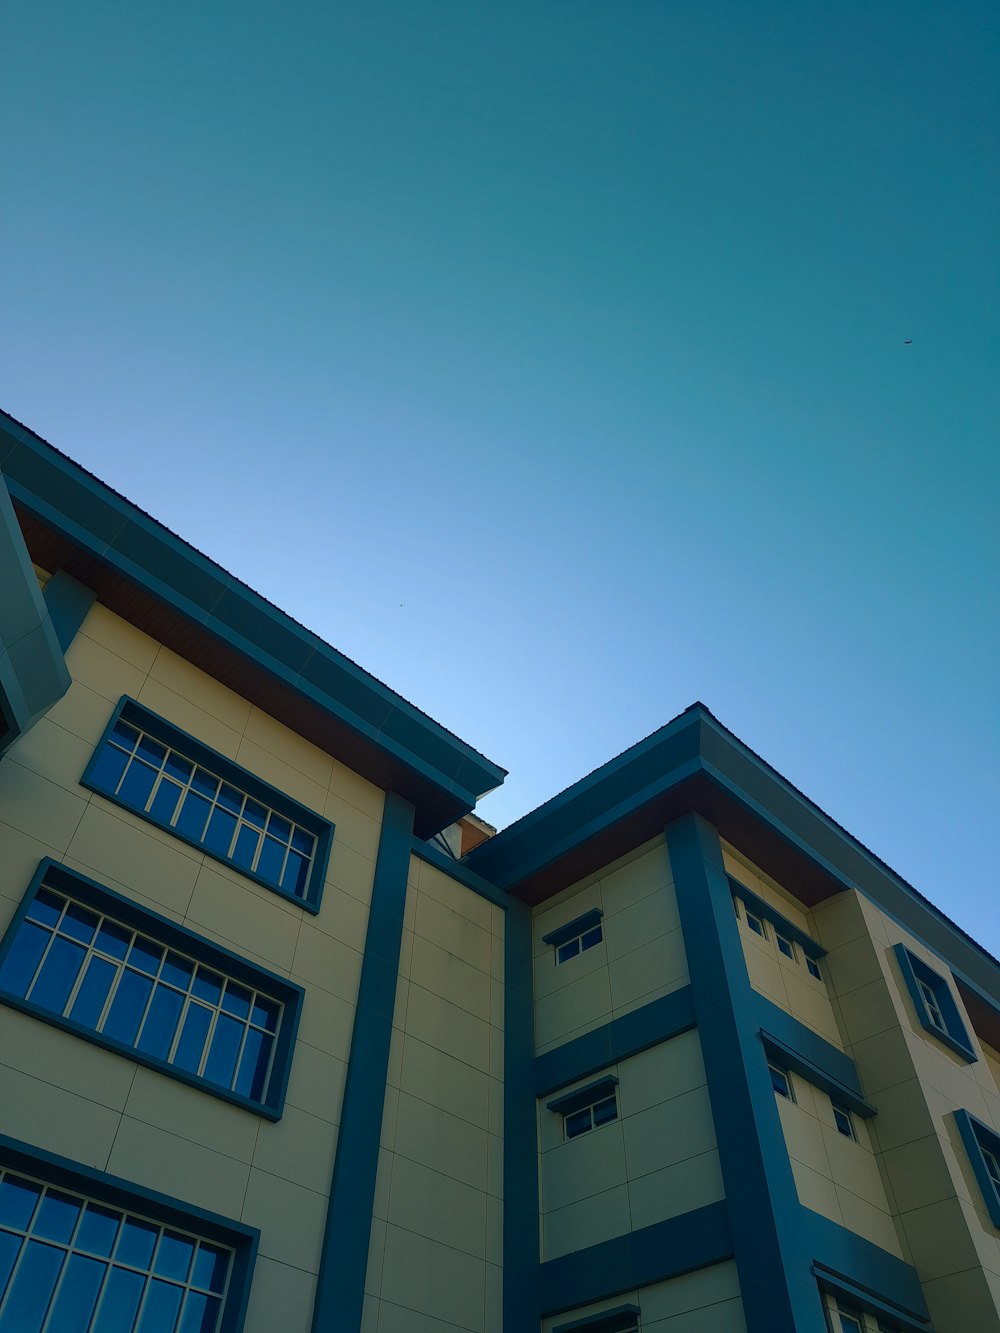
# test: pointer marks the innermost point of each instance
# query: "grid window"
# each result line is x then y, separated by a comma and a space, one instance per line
842, 1119
982, 1147
579, 943
780, 1082
591, 1117
934, 1003
933, 1008
785, 946
992, 1167
812, 967
101, 967
72, 1264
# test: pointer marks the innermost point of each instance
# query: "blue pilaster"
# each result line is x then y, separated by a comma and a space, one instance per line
340, 1289
779, 1292
520, 1148
67, 601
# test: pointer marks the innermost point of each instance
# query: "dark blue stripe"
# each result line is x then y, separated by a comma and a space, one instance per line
652, 1254
779, 1292
666, 1017
458, 870
340, 1288
520, 1148
68, 602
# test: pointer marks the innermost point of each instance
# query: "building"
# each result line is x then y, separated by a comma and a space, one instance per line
289, 1043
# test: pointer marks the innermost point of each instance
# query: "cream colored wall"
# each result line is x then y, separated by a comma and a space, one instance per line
657, 1160
71, 1097
435, 1256
640, 958
915, 1082
783, 980
705, 1301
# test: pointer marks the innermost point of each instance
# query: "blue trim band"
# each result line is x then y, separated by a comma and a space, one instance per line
459, 871
573, 928
664, 1250
579, 1097
61, 1171
608, 1321
92, 894
637, 1031
520, 1148
760, 907
778, 1293
68, 602
189, 747
914, 970
851, 1292
866, 1266
340, 1287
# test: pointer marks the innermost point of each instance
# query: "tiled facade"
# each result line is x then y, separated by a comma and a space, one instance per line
672, 1053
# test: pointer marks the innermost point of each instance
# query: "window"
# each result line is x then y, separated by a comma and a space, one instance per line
81, 1253
576, 936
587, 1108
100, 966
781, 1082
812, 967
171, 779
849, 1323
982, 1147
842, 1119
755, 924
935, 1006
785, 946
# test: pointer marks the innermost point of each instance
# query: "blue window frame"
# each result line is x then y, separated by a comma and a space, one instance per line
171, 779
98, 965
576, 936
982, 1146
84, 1252
934, 1003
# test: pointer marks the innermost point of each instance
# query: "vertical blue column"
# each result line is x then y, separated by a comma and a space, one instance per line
520, 1145
779, 1292
340, 1288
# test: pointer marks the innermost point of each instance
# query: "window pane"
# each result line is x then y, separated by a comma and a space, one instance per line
79, 923
17, 1201
109, 768
165, 801
57, 1216
120, 1302
98, 1230
272, 858
246, 847
194, 813
152, 751
230, 799
136, 1245
253, 1065
221, 1063
279, 828
94, 990
23, 958
127, 1007
178, 768
207, 986
255, 813
159, 1314
145, 956
31, 1289
591, 937
296, 874
137, 784
236, 1000
59, 972
9, 1249
265, 1014
125, 734
46, 908
114, 940
578, 1123
605, 1111
204, 783
568, 950
201, 1313
173, 1258
219, 833
210, 1267
303, 842
189, 1051
77, 1295
177, 971
161, 1022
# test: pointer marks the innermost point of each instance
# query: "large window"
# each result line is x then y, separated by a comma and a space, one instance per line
934, 1003
84, 1253
173, 780
99, 965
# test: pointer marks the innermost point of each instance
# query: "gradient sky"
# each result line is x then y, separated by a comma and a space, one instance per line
549, 359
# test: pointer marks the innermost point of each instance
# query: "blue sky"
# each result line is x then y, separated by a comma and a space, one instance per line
550, 360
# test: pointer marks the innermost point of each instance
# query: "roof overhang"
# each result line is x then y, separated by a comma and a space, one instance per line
695, 764
143, 572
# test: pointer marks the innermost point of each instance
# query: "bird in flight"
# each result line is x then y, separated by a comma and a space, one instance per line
907, 341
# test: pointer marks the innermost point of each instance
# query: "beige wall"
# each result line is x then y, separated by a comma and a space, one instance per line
435, 1251
640, 958
706, 1301
657, 1160
71, 1097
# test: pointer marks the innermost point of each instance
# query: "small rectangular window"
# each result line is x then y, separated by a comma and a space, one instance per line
842, 1119
103, 967
174, 781
982, 1147
755, 924
785, 946
812, 968
849, 1323
576, 936
579, 943
591, 1117
781, 1082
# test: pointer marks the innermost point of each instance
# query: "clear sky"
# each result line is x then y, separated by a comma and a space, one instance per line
552, 361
